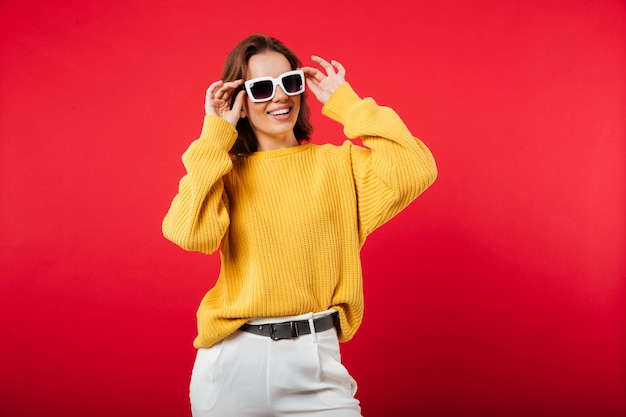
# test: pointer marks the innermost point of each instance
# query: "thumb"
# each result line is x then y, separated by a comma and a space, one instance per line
238, 102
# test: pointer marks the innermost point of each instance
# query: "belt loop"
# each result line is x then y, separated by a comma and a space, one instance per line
312, 327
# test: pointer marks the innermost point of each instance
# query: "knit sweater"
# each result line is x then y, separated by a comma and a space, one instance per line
290, 223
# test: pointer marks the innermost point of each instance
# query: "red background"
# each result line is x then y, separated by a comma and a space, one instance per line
500, 292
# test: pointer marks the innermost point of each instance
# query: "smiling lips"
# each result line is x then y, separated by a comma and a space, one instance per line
280, 112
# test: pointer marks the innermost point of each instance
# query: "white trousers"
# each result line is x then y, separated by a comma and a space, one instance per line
250, 375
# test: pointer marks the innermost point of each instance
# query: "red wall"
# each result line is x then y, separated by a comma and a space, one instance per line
500, 292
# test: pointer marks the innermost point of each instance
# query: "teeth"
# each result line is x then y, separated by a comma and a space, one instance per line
279, 112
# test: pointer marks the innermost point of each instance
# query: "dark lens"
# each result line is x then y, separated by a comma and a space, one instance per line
292, 83
262, 89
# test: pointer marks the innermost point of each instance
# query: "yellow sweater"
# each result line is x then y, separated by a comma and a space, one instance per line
290, 223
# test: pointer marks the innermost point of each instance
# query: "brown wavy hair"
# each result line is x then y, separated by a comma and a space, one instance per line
236, 67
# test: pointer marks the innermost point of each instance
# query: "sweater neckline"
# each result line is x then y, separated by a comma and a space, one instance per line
279, 153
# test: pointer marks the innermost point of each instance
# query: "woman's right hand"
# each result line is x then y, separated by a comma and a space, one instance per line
218, 99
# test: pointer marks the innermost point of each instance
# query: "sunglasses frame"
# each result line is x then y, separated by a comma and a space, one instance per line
275, 81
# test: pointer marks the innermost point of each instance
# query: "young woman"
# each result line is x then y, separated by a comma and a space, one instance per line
289, 218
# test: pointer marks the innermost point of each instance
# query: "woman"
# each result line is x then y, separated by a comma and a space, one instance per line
289, 218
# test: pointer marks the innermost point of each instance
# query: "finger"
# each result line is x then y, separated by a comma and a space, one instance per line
320, 94
238, 104
313, 73
225, 91
321, 61
325, 64
340, 68
220, 92
232, 84
209, 100
313, 85
210, 92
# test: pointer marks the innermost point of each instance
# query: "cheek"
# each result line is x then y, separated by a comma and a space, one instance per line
255, 113
247, 107
296, 105
252, 110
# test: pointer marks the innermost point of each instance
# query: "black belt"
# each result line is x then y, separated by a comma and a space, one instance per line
290, 329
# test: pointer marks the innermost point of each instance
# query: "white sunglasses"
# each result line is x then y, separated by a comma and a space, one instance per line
264, 88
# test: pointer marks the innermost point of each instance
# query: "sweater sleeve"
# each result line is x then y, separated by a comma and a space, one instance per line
392, 169
198, 216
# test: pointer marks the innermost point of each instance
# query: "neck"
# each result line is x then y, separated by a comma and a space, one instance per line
273, 143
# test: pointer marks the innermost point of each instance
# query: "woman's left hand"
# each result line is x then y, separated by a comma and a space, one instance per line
323, 85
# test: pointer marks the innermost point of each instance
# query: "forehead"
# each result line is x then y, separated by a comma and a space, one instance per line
269, 63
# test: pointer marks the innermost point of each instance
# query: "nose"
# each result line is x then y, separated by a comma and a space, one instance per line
280, 95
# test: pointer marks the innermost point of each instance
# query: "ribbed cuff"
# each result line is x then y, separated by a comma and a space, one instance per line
339, 102
221, 133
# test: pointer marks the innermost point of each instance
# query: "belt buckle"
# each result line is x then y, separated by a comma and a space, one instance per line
293, 331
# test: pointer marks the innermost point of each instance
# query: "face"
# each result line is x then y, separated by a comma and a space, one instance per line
272, 121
